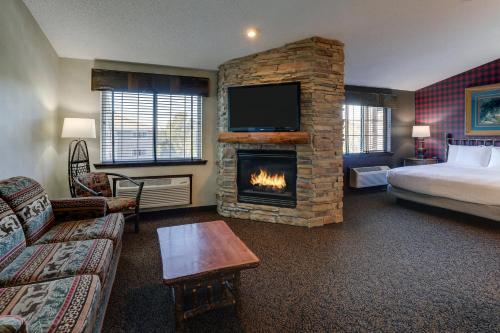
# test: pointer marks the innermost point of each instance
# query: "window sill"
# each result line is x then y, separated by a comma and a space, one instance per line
379, 153
148, 164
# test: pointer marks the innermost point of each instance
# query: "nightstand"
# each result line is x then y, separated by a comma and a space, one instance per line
408, 161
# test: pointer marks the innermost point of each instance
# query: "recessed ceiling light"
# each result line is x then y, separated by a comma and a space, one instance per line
252, 33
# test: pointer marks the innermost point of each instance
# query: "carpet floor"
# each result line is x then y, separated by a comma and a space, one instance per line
389, 267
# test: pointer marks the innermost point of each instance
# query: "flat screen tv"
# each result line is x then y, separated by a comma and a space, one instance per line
264, 108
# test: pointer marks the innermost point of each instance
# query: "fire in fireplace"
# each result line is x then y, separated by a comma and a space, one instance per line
267, 177
268, 181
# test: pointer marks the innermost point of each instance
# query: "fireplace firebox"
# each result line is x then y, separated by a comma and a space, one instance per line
267, 177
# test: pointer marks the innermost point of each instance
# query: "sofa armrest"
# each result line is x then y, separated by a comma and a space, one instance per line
12, 324
74, 209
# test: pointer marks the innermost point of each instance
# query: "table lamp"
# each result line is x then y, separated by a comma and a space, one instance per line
421, 132
78, 154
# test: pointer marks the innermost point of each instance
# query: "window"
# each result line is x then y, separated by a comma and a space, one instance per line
147, 127
367, 129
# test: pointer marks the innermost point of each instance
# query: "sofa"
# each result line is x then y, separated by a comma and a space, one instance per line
58, 259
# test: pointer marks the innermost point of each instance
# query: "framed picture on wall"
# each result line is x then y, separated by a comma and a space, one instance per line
482, 110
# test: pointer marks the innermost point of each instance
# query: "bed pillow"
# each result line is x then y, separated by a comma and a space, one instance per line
495, 158
452, 153
471, 156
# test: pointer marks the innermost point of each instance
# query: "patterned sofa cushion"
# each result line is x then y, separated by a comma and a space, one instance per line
65, 305
12, 324
108, 227
72, 209
45, 262
12, 241
30, 203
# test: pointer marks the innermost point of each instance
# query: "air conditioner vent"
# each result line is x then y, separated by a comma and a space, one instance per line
368, 176
157, 193
371, 169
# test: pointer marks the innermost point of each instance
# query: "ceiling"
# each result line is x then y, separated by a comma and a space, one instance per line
399, 44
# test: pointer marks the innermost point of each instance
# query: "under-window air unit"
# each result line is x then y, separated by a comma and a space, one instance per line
368, 176
157, 193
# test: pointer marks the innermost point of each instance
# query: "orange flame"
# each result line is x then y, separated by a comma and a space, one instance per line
263, 178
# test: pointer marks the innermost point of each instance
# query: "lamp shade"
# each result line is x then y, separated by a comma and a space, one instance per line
82, 128
421, 132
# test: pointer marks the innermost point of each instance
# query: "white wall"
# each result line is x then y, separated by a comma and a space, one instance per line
38, 89
28, 98
77, 100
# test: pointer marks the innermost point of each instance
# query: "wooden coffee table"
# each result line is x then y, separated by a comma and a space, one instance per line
202, 264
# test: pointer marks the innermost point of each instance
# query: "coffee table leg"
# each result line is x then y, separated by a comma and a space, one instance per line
237, 296
179, 308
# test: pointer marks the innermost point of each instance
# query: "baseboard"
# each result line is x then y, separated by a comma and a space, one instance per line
181, 210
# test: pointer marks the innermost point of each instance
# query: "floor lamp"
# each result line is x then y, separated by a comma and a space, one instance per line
78, 154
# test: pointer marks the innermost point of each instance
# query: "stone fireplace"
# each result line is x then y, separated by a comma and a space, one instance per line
267, 177
285, 181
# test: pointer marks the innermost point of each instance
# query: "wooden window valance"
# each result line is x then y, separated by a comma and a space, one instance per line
367, 96
103, 79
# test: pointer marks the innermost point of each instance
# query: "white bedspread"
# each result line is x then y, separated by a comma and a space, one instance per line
470, 184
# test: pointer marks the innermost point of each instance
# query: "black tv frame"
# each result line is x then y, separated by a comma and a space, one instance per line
264, 129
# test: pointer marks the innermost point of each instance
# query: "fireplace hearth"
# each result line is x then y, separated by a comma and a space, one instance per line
267, 177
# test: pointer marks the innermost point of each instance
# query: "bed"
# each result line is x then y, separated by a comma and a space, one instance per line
468, 182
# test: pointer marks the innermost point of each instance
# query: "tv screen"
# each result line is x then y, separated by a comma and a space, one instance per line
270, 107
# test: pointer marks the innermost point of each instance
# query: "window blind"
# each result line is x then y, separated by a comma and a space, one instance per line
141, 127
366, 129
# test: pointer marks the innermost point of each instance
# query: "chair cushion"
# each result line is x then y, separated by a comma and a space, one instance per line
65, 305
30, 203
12, 241
96, 181
45, 262
116, 205
107, 227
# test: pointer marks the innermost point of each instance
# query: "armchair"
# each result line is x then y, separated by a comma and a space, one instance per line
96, 184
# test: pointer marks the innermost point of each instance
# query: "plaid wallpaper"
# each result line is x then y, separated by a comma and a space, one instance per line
442, 105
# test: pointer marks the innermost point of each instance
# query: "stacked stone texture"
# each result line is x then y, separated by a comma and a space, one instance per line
318, 64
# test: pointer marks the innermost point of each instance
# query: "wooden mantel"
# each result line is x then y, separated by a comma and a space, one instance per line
265, 137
